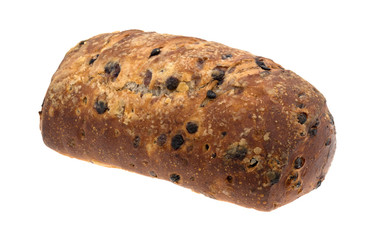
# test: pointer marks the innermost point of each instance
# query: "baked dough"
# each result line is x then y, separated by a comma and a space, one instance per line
220, 121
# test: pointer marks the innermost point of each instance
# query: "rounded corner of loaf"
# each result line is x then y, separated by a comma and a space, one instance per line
223, 122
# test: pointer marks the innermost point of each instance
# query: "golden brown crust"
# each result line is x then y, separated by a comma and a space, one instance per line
220, 121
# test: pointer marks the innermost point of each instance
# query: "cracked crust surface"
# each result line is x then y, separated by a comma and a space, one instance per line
220, 121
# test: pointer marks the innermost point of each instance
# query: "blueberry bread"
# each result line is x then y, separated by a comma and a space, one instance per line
223, 122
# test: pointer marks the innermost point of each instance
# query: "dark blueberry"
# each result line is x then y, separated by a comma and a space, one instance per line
92, 60
240, 153
316, 124
253, 163
112, 69
225, 56
261, 64
298, 184
147, 78
229, 178
319, 183
155, 52
293, 177
177, 141
200, 63
236, 153
152, 173
174, 177
136, 141
331, 120
211, 94
274, 177
213, 155
44, 99
172, 83
218, 74
313, 131
191, 127
162, 139
328, 142
302, 117
224, 134
101, 106
298, 163
301, 105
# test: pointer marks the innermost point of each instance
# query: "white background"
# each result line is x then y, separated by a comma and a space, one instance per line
44, 195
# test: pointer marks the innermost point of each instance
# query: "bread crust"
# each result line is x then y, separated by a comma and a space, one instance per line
220, 121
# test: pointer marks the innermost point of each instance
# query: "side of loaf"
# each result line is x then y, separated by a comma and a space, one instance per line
220, 121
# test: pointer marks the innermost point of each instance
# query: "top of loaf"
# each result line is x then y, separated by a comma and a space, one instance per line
146, 60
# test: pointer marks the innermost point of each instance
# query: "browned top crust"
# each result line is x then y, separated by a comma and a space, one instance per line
220, 121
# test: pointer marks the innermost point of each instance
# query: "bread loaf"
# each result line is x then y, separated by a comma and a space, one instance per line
223, 122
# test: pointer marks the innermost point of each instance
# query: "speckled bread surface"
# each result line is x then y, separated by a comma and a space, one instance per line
223, 122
